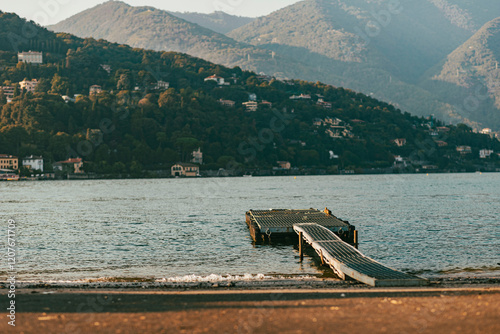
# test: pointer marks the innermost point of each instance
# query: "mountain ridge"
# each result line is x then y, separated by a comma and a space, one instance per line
375, 34
220, 22
161, 31
314, 40
470, 75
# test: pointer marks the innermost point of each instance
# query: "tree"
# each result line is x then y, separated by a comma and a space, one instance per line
15, 136
3, 98
186, 146
169, 98
43, 86
135, 169
123, 83
119, 168
59, 85
309, 158
161, 138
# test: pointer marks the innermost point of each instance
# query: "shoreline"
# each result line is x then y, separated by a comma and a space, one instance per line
342, 310
156, 177
255, 284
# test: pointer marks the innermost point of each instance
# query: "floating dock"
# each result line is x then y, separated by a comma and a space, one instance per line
347, 261
276, 224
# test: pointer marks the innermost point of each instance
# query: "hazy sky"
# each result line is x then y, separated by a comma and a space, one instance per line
52, 11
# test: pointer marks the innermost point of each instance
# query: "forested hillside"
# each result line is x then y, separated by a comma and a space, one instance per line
135, 124
382, 48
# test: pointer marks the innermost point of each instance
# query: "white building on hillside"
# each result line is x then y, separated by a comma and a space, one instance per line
162, 85
8, 91
29, 85
31, 57
485, 153
220, 81
33, 163
197, 157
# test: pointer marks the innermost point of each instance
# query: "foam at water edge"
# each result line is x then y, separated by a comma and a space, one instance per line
213, 278
229, 278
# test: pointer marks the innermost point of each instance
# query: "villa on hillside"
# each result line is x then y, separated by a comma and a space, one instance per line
324, 104
441, 143
185, 169
29, 85
68, 99
8, 91
464, 150
31, 57
197, 157
220, 81
106, 67
334, 121
251, 105
162, 85
95, 89
9, 162
300, 97
33, 163
485, 153
265, 103
227, 103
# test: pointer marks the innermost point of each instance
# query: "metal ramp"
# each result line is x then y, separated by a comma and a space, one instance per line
346, 260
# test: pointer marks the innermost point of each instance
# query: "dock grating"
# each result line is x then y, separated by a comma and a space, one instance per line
279, 220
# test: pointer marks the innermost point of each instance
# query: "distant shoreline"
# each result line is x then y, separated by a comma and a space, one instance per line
149, 177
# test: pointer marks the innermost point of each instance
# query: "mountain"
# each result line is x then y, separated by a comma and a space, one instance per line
132, 126
150, 28
219, 21
466, 14
470, 76
382, 48
404, 38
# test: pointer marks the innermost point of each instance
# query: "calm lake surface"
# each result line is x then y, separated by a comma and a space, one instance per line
445, 224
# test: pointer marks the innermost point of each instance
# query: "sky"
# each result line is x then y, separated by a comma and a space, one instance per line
47, 12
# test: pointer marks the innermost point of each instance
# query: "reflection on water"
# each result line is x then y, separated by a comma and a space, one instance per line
431, 225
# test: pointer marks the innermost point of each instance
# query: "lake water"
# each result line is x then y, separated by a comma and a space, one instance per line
183, 229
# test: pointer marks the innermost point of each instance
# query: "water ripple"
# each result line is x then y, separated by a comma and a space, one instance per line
443, 224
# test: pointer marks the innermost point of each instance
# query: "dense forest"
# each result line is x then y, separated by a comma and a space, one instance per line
133, 126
